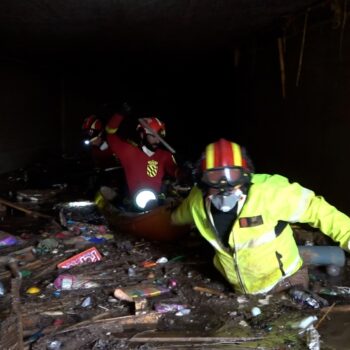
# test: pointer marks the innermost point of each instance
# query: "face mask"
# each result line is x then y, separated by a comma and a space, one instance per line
225, 202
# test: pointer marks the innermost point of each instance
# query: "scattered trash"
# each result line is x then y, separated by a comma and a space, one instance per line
68, 282
162, 260
25, 273
162, 307
149, 264
90, 255
335, 290
86, 302
47, 245
131, 272
313, 338
2, 289
333, 270
172, 283
6, 239
79, 213
255, 311
33, 290
36, 195
305, 322
130, 293
304, 298
54, 345
183, 312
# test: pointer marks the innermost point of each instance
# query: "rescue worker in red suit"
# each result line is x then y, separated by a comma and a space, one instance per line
94, 137
246, 217
145, 164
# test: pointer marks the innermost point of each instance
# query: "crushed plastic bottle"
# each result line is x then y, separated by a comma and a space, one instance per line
304, 298
162, 307
313, 338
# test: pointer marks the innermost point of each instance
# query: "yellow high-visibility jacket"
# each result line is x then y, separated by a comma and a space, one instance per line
262, 249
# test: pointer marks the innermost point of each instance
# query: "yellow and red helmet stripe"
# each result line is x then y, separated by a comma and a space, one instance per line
223, 153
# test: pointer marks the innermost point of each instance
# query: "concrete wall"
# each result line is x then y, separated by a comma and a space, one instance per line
306, 135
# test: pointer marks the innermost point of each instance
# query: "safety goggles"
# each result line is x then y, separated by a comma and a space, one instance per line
223, 177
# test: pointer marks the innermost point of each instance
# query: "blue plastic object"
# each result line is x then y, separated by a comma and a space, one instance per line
322, 255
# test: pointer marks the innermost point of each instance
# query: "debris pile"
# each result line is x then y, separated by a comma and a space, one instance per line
69, 281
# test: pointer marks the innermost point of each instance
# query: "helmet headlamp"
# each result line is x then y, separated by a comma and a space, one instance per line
143, 197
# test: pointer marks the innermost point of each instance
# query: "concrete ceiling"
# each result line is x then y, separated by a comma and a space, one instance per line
72, 27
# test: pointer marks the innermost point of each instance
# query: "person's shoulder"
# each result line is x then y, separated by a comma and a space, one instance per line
164, 153
269, 179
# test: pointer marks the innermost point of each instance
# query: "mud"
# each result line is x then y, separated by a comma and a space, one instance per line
215, 317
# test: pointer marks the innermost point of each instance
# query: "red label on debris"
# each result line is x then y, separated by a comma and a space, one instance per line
91, 255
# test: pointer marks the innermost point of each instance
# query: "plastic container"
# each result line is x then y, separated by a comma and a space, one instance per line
69, 282
162, 307
322, 255
303, 297
305, 322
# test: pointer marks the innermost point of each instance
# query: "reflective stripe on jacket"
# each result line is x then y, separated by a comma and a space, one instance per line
262, 250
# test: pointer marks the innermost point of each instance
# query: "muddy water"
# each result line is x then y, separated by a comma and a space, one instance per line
335, 331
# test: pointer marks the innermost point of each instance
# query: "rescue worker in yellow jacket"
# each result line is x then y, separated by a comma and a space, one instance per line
246, 217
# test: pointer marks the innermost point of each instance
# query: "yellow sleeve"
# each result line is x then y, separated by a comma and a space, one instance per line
329, 220
182, 215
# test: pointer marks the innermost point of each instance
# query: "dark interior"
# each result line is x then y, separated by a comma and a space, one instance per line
272, 75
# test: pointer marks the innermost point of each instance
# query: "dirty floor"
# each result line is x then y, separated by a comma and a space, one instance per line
130, 293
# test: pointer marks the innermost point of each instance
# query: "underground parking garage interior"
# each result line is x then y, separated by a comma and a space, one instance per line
273, 76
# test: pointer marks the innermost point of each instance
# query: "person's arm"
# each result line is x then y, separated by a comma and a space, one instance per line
182, 215
114, 123
295, 203
329, 220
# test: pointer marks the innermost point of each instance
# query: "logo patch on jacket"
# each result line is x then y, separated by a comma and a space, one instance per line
251, 221
152, 168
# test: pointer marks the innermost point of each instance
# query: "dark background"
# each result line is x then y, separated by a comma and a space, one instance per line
209, 69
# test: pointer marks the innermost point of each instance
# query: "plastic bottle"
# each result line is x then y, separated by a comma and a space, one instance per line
305, 298
305, 322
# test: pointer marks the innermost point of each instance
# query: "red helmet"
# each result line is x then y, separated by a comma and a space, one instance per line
225, 163
153, 123
92, 127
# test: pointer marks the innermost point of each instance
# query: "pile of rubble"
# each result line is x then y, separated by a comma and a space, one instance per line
69, 281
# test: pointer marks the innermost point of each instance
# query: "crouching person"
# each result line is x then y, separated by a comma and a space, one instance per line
246, 217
